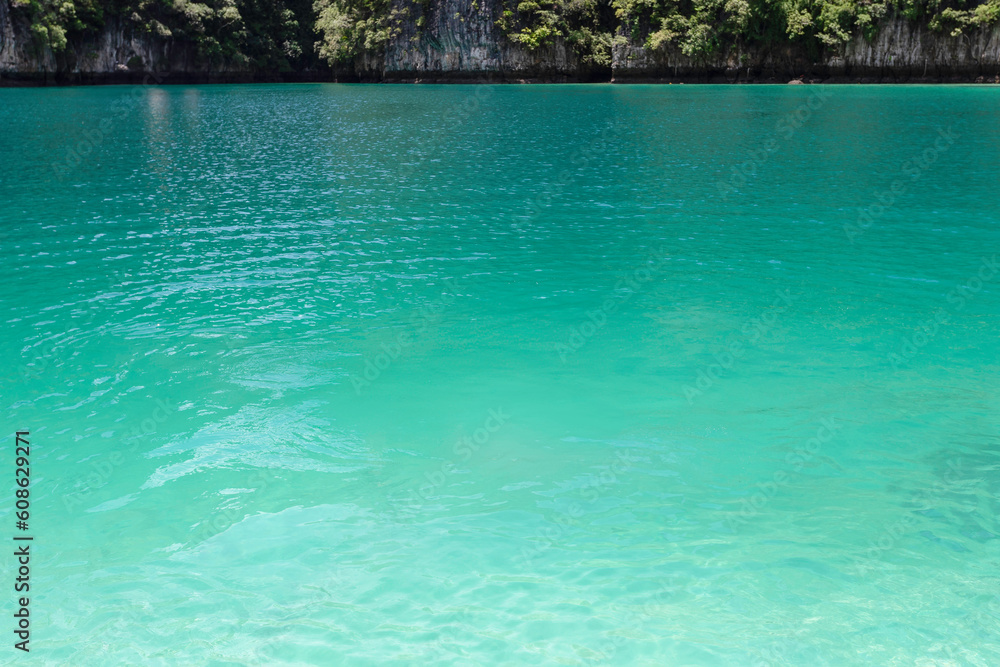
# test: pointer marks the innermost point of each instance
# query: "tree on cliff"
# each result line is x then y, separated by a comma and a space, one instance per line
283, 35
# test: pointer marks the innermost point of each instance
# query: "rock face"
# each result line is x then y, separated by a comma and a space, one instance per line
109, 53
462, 42
118, 54
901, 51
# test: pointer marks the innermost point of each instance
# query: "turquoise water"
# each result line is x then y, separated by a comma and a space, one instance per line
567, 375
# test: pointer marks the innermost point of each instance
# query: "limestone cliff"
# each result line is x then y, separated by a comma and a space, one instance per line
109, 53
463, 42
900, 51
120, 53
459, 40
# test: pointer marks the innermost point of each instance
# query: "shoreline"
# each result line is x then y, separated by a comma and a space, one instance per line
819, 75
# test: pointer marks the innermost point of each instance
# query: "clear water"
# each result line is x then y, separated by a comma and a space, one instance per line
373, 375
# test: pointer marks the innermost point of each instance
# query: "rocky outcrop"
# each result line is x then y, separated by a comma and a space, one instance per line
462, 41
118, 54
15, 52
114, 52
459, 40
901, 51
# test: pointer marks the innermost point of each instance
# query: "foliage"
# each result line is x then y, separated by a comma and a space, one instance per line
351, 27
265, 34
956, 21
588, 26
294, 34
699, 28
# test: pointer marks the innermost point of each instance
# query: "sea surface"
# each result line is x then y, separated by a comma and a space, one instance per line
504, 375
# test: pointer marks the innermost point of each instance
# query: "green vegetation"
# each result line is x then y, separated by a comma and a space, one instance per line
701, 29
287, 35
351, 27
264, 34
586, 25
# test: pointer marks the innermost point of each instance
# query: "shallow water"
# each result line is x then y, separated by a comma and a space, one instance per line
329, 374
